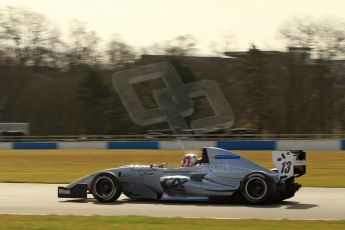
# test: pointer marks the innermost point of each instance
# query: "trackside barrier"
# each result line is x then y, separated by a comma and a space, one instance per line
324, 144
5, 145
319, 144
247, 145
34, 145
186, 144
133, 145
83, 145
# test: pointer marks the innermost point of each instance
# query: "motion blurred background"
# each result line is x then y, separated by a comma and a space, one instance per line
280, 66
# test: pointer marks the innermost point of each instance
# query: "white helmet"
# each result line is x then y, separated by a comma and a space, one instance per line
189, 159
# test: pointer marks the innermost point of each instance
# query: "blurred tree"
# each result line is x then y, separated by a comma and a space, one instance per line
154, 49
94, 95
119, 53
30, 36
2, 109
225, 43
183, 70
183, 45
256, 88
326, 36
83, 46
295, 96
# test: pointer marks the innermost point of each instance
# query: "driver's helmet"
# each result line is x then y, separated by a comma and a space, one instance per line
189, 159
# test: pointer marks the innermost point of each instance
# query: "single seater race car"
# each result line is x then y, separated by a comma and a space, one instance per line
219, 174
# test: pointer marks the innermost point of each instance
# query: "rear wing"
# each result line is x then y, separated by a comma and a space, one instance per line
300, 166
291, 163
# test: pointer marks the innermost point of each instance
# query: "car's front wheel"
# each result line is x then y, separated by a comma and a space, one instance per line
106, 187
257, 188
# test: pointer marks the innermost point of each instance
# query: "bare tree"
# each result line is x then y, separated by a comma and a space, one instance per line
119, 53
29, 35
182, 45
83, 46
223, 44
2, 108
154, 49
326, 36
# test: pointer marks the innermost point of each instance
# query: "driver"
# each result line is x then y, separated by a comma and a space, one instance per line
189, 160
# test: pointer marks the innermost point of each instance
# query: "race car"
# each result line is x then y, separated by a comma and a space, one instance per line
218, 174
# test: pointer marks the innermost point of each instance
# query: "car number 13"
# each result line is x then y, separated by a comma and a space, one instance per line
286, 167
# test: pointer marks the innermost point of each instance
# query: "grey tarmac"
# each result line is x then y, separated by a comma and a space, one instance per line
41, 199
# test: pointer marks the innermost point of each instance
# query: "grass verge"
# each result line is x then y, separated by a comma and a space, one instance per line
142, 223
324, 168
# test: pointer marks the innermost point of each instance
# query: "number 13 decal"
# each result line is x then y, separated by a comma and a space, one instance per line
286, 167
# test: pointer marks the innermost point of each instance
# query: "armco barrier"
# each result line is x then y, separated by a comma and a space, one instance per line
247, 145
133, 145
343, 144
34, 145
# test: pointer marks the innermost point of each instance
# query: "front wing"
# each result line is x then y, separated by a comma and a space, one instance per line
77, 191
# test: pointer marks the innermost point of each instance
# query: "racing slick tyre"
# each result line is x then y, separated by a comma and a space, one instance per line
257, 188
106, 187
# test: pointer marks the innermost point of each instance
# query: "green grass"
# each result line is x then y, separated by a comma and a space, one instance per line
142, 223
324, 168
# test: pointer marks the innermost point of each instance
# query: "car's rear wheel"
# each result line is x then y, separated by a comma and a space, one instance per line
257, 188
106, 187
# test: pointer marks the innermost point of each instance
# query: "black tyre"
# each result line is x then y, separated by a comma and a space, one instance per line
106, 187
257, 188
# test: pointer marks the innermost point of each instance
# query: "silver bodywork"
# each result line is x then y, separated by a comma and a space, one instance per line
219, 174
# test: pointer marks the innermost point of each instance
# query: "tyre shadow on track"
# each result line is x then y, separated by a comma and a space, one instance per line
297, 205
284, 204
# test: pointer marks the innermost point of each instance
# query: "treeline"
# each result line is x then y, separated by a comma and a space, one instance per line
31, 39
64, 87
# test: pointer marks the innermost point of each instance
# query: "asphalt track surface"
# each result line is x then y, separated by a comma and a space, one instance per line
41, 199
